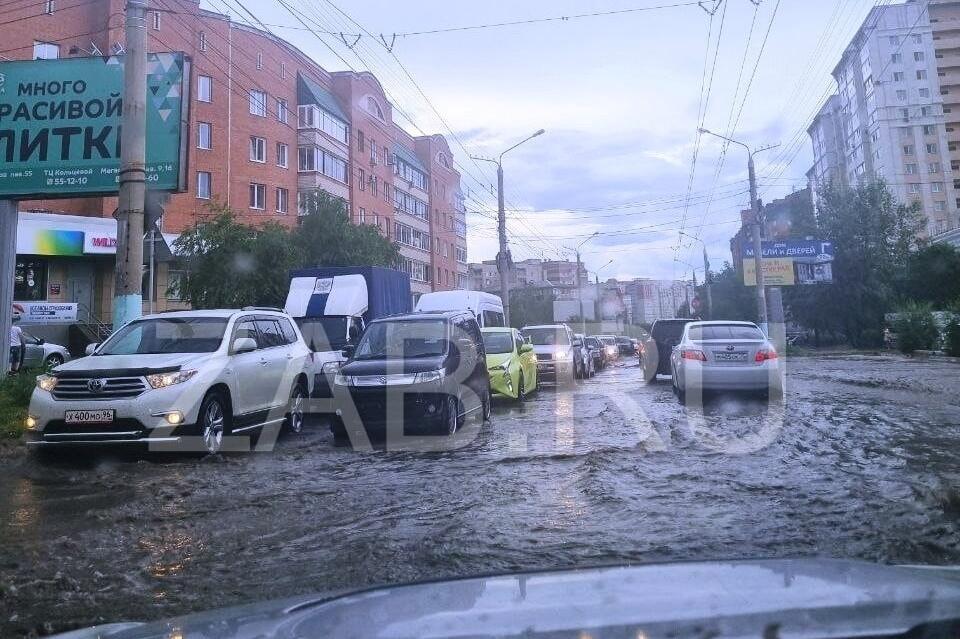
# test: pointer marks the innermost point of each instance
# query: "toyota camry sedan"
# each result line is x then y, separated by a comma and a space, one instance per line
724, 356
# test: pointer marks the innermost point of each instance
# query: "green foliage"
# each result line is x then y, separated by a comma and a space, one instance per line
731, 299
526, 310
952, 343
933, 275
229, 264
873, 236
915, 328
15, 391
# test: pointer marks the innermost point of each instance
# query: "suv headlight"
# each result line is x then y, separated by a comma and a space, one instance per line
429, 376
46, 382
162, 380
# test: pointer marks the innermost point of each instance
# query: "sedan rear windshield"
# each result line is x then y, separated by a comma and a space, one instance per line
546, 336
499, 342
167, 335
724, 331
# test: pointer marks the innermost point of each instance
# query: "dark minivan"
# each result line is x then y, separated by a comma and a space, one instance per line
665, 334
430, 365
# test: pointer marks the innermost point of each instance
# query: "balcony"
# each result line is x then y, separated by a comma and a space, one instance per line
946, 41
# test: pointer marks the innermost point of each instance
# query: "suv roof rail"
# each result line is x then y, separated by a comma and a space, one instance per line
262, 308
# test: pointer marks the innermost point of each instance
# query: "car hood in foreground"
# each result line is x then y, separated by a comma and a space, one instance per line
106, 365
795, 598
392, 366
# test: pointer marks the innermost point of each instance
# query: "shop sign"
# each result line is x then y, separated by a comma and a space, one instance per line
60, 125
45, 312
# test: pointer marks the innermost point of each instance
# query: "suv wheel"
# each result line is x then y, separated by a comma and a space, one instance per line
294, 418
486, 406
451, 415
213, 422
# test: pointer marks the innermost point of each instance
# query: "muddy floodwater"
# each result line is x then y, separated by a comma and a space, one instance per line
861, 461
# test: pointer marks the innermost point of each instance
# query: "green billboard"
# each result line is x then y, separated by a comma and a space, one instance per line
60, 125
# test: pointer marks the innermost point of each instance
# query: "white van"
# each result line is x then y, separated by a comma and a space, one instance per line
487, 308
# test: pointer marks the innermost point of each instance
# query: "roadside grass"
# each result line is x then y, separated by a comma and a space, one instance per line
15, 391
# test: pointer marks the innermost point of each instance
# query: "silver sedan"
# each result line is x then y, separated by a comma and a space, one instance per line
724, 356
39, 352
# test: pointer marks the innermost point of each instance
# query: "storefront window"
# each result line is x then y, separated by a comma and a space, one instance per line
30, 280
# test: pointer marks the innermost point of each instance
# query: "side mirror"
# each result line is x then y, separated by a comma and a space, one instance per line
526, 348
91, 348
348, 350
244, 345
41, 341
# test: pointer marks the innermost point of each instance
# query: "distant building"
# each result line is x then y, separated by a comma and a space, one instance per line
484, 276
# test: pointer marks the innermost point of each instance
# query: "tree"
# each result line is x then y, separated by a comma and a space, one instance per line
915, 328
933, 275
228, 264
731, 299
873, 236
326, 236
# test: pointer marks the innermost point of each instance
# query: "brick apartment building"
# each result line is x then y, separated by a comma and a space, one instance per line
266, 124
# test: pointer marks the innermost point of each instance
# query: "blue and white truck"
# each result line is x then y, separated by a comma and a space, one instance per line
332, 305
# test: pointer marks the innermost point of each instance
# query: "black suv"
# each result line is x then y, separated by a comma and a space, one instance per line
432, 366
665, 334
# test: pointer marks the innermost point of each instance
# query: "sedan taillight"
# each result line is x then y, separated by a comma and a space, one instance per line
692, 353
764, 354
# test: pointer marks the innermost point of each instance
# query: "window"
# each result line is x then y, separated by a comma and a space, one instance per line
313, 158
373, 185
270, 333
409, 173
910, 169
896, 58
932, 148
928, 129
924, 93
362, 181
462, 254
914, 189
204, 88
155, 18
30, 279
282, 111
313, 117
259, 60
908, 149
258, 149
283, 152
386, 192
373, 153
283, 200
258, 103
917, 38
905, 115
204, 135
926, 111
933, 167
283, 71
918, 56
936, 187
922, 74
902, 95
45, 51
906, 132
894, 40
939, 206
360, 140
403, 201
258, 196
374, 108
174, 285
362, 215
898, 76
49, 6
203, 185
203, 41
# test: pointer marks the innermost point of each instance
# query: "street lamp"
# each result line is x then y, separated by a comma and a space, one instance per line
757, 223
583, 320
706, 273
599, 304
503, 257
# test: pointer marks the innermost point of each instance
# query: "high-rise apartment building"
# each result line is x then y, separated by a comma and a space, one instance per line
267, 126
889, 115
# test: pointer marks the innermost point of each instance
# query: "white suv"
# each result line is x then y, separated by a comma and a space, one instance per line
177, 381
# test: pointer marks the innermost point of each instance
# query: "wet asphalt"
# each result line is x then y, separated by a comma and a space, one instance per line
861, 460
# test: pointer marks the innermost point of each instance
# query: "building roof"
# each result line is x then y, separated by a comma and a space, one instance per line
309, 92
409, 157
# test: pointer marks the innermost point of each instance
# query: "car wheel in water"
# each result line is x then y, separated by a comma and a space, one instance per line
293, 421
451, 415
213, 422
53, 360
486, 406
338, 429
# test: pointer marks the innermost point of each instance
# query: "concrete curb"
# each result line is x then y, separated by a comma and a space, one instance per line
937, 355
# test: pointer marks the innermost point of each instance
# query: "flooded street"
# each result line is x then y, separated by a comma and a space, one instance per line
861, 461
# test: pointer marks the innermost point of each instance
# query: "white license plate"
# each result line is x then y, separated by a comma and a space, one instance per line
737, 356
101, 416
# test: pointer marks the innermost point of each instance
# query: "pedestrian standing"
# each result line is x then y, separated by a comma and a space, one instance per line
16, 344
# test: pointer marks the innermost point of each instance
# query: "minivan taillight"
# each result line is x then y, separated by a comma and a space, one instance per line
692, 353
764, 354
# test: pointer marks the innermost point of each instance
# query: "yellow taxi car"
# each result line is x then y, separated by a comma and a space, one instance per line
511, 363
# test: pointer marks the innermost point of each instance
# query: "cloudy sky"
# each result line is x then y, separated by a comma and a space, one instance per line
620, 98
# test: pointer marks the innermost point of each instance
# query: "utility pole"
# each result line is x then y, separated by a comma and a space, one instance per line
583, 320
128, 282
757, 226
8, 262
503, 256
706, 282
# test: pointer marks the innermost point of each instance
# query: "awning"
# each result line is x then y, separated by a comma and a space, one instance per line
309, 92
61, 235
409, 157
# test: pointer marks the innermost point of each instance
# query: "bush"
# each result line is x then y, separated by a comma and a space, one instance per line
952, 345
916, 329
15, 391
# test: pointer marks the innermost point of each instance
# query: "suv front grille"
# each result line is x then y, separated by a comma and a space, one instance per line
113, 388
544, 357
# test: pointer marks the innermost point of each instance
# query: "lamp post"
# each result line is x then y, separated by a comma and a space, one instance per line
757, 224
706, 274
583, 320
503, 257
599, 303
